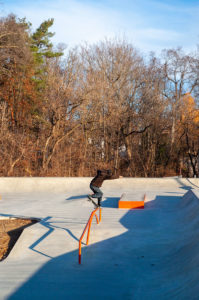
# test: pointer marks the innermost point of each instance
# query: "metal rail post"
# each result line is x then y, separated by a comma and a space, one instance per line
88, 226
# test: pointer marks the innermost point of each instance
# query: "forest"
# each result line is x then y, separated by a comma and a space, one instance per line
68, 112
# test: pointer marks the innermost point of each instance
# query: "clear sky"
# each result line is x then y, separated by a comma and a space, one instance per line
150, 25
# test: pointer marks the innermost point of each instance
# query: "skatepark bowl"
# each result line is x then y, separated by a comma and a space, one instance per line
143, 254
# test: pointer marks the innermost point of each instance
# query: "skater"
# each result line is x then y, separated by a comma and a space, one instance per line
97, 181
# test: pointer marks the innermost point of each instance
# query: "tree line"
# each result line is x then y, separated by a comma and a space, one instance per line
103, 105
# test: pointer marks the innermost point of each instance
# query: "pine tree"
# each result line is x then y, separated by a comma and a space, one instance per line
42, 50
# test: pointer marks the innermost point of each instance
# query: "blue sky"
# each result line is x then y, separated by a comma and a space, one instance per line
150, 25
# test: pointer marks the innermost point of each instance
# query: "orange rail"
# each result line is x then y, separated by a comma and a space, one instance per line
88, 226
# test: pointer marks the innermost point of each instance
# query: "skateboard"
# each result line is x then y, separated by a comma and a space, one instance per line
90, 199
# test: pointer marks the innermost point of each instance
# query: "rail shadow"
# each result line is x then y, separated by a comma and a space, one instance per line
51, 227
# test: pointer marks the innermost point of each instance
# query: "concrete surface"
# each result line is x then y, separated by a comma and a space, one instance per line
139, 254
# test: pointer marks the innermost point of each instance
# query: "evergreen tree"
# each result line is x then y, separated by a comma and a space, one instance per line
42, 50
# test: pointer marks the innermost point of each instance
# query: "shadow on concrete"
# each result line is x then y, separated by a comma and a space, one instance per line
166, 202
194, 185
78, 197
184, 186
63, 278
145, 262
49, 225
46, 224
7, 215
111, 202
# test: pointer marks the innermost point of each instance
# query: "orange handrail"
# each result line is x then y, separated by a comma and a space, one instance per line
88, 226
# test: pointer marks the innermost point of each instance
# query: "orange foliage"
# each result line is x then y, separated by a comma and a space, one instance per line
189, 111
20, 94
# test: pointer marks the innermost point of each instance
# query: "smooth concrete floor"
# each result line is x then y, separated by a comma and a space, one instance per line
150, 253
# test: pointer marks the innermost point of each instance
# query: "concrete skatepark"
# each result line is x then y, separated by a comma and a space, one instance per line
150, 253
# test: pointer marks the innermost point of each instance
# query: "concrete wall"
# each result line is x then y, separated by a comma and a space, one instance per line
63, 184
39, 184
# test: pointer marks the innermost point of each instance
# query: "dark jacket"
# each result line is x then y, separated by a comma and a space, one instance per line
101, 176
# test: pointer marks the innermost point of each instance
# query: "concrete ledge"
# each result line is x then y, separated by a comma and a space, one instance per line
42, 184
63, 184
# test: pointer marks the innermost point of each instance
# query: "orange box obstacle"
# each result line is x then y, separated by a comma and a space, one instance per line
130, 204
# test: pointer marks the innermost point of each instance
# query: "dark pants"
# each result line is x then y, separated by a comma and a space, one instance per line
97, 193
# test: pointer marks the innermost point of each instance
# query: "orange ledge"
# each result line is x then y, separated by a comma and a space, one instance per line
131, 204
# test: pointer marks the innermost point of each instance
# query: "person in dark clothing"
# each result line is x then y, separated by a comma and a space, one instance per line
97, 181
